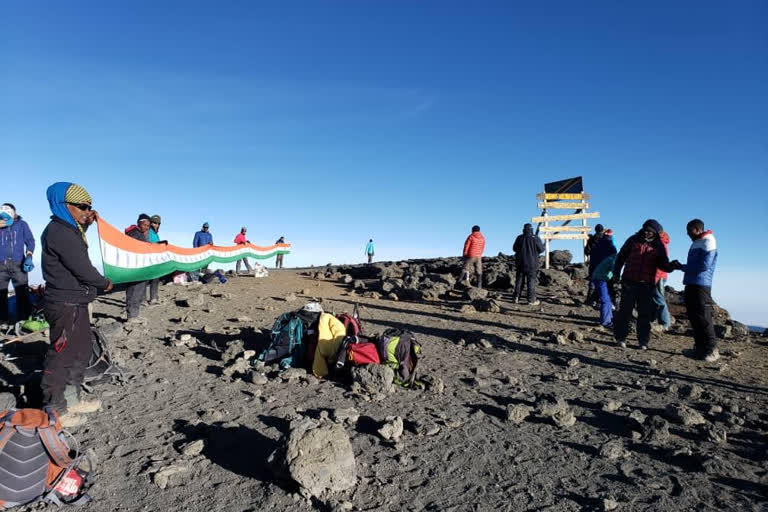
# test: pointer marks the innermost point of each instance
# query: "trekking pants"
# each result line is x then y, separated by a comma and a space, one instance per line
279, 261
606, 306
69, 353
640, 295
370, 258
247, 265
660, 299
154, 288
530, 276
12, 272
134, 295
698, 304
476, 265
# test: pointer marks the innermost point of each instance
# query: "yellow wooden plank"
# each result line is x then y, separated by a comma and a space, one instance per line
549, 205
568, 197
567, 236
553, 229
573, 216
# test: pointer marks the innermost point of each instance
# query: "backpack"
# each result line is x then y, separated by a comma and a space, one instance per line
100, 365
36, 462
288, 339
363, 353
351, 322
132, 227
399, 350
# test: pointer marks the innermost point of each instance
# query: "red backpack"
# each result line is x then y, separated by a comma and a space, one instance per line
351, 322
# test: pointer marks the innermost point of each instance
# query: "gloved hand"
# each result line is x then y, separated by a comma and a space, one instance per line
28, 265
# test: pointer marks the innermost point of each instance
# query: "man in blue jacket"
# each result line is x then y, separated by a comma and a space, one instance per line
202, 237
16, 247
699, 270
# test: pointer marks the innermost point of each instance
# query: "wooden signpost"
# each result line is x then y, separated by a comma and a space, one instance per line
570, 200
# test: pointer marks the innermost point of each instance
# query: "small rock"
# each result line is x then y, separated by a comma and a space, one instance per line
290, 374
392, 428
163, 477
656, 430
576, 336
467, 308
481, 371
612, 405
185, 337
194, 448
349, 415
517, 413
610, 504
194, 301
291, 297
638, 418
573, 362
715, 409
713, 434
374, 378
485, 343
244, 319
691, 391
684, 415
613, 450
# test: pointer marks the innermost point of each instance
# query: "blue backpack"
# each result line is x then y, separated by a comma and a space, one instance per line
288, 339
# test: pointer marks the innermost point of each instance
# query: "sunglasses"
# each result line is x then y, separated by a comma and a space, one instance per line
81, 206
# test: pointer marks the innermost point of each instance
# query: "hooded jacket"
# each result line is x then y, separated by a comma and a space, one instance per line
330, 334
702, 259
642, 259
474, 245
527, 248
14, 239
603, 249
69, 275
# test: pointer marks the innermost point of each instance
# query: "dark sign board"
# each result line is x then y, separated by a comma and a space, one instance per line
569, 186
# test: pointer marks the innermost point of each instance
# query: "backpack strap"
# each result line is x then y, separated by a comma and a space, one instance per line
57, 450
6, 429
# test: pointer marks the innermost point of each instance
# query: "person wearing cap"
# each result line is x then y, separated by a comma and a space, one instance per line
154, 237
641, 256
203, 237
527, 247
71, 284
137, 291
279, 257
241, 239
17, 244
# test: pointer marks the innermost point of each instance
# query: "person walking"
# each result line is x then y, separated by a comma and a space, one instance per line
137, 291
603, 258
241, 239
474, 246
662, 317
71, 283
699, 270
640, 257
370, 250
17, 244
527, 247
279, 257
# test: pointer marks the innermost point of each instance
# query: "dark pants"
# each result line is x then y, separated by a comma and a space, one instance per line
69, 353
633, 295
698, 305
279, 261
370, 258
530, 277
134, 295
247, 265
154, 287
12, 272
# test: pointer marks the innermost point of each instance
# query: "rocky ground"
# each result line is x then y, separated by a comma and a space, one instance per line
523, 408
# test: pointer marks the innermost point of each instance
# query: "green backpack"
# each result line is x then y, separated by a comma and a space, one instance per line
399, 350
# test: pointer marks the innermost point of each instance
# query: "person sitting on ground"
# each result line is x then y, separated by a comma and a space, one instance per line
699, 271
640, 257
603, 258
474, 246
659, 296
527, 249
241, 239
370, 250
17, 244
330, 335
279, 257
71, 283
137, 291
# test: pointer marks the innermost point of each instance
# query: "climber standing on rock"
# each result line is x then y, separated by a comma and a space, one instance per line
699, 270
641, 256
527, 249
474, 246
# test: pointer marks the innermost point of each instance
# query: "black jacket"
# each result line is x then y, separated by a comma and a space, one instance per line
69, 275
527, 248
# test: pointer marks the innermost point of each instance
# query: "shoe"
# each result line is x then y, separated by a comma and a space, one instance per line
84, 407
71, 420
622, 344
643, 346
712, 356
535, 303
516, 300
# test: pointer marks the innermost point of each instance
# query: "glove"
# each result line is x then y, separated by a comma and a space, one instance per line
28, 265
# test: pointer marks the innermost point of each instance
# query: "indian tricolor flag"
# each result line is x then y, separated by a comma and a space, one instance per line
127, 259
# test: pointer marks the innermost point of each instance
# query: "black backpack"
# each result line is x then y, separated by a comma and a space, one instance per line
101, 368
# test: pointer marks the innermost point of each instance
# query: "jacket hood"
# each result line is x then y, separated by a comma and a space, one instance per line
57, 201
527, 229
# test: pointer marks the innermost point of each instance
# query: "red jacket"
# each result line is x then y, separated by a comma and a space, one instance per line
240, 239
474, 245
664, 237
642, 260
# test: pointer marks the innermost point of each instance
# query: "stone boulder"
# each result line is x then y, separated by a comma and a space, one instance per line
554, 277
374, 378
317, 456
560, 258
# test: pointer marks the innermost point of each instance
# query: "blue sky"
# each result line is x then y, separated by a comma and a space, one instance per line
333, 122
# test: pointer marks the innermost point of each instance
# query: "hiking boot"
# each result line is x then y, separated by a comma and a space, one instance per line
84, 407
535, 303
643, 346
516, 300
71, 420
712, 356
622, 344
